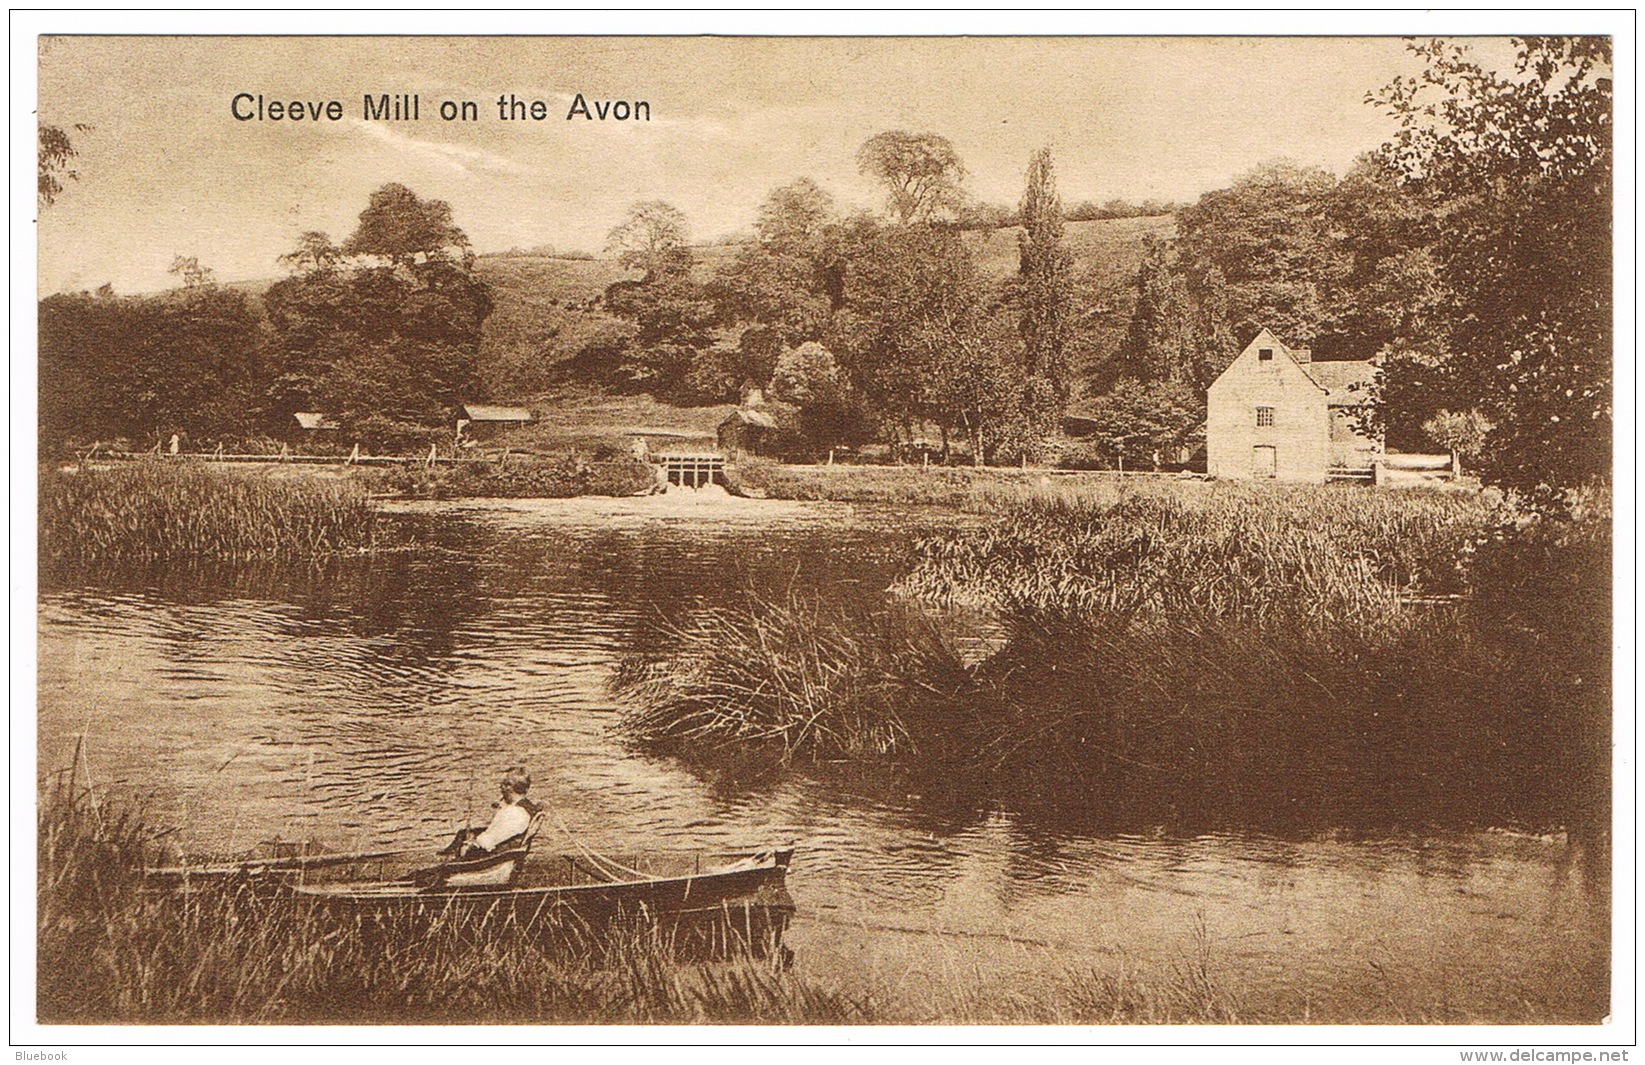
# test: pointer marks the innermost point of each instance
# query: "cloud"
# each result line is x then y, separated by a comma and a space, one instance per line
461, 159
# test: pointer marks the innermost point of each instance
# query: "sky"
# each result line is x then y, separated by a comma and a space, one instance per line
166, 169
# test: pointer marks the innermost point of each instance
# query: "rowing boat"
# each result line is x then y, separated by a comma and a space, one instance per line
730, 903
696, 903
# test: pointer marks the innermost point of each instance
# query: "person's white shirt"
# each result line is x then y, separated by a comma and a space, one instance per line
509, 821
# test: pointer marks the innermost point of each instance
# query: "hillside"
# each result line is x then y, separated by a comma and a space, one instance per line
539, 298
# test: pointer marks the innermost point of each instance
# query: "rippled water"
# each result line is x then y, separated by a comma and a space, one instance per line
374, 703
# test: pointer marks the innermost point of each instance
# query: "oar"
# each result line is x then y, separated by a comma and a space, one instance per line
306, 861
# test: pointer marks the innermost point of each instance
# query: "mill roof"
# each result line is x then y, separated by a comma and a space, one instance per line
760, 418
1345, 381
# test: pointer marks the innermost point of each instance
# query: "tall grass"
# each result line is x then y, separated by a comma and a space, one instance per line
168, 511
795, 676
1319, 555
1296, 660
111, 952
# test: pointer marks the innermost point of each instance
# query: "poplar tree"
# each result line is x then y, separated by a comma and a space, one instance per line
1043, 280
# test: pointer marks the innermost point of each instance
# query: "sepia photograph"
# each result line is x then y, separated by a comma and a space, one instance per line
822, 531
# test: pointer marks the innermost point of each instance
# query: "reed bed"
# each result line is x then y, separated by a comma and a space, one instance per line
109, 952
794, 676
161, 510
1316, 555
1301, 661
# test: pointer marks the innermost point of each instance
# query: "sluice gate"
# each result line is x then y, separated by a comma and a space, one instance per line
693, 469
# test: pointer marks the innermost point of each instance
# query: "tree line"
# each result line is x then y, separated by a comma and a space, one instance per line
380, 332
1471, 254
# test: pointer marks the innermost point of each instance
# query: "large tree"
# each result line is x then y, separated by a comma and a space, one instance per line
1281, 256
790, 278
382, 332
907, 293
399, 226
921, 173
652, 239
1516, 169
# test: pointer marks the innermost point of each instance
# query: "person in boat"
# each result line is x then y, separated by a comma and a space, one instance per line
509, 823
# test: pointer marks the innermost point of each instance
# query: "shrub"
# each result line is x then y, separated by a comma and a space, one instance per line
526, 478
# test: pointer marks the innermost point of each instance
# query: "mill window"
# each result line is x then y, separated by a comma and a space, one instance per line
1265, 416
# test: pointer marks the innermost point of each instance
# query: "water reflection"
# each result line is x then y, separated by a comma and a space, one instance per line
371, 702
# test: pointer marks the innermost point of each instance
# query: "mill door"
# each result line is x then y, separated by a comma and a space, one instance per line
1262, 461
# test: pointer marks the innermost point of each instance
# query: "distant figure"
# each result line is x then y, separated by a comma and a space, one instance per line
513, 817
176, 443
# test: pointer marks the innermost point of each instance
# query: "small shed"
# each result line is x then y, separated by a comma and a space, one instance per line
746, 431
482, 421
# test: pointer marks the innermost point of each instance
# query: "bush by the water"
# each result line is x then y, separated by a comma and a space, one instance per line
167, 510
526, 477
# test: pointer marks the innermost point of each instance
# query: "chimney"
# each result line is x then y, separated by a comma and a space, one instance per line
1303, 355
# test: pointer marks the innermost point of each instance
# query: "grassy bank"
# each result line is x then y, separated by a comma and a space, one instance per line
111, 953
160, 511
1296, 660
975, 488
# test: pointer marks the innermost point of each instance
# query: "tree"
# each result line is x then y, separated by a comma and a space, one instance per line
652, 239
389, 346
1516, 170
808, 378
908, 292
921, 173
1137, 418
803, 374
1161, 343
1462, 432
1042, 292
795, 217
193, 275
56, 156
790, 278
398, 226
1272, 236
979, 387
315, 253
674, 319
1218, 346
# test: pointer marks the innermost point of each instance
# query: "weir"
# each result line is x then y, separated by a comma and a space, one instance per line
692, 469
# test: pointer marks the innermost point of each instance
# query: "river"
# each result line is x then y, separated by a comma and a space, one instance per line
373, 703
